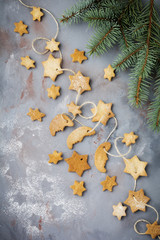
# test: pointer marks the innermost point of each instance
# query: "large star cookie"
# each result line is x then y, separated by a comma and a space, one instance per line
79, 83
20, 28
74, 109
104, 112
137, 200
55, 157
109, 183
78, 188
52, 45
119, 210
35, 114
52, 67
78, 56
135, 167
36, 13
77, 163
129, 138
153, 229
109, 72
27, 62
53, 91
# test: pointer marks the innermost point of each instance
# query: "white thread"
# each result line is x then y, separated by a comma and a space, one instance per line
88, 102
78, 95
135, 184
69, 70
34, 49
116, 124
96, 125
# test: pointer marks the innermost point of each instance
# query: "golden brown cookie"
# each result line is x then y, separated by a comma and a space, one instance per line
27, 62
53, 91
135, 167
153, 229
137, 200
36, 13
109, 72
59, 122
79, 83
109, 183
78, 135
52, 67
77, 163
74, 109
119, 210
129, 138
103, 110
101, 157
78, 188
55, 157
78, 56
52, 45
20, 28
35, 114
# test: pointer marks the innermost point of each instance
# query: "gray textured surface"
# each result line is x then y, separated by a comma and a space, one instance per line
35, 198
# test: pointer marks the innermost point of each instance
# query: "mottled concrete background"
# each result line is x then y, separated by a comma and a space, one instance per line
35, 198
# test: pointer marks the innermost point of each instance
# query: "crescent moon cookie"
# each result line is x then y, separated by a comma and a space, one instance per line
59, 122
78, 135
77, 163
103, 110
101, 157
79, 83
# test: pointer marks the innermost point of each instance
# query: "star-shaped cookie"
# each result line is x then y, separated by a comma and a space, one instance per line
27, 62
52, 45
52, 67
153, 229
20, 28
79, 83
36, 13
137, 200
55, 157
103, 110
109, 72
109, 183
78, 56
35, 114
74, 109
129, 138
77, 163
119, 210
53, 91
135, 167
78, 188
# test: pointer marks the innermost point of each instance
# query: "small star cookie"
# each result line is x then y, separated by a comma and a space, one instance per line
53, 91
137, 201
52, 45
77, 163
27, 62
109, 183
78, 188
20, 28
79, 83
153, 229
52, 67
109, 72
119, 210
78, 56
55, 157
135, 167
103, 110
35, 114
129, 138
74, 109
36, 13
